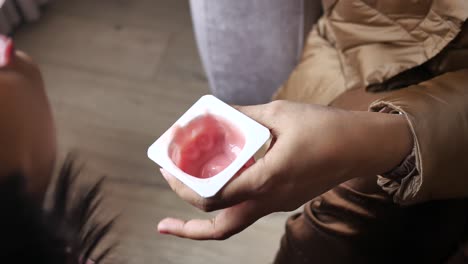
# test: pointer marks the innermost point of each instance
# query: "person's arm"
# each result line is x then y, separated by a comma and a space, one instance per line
437, 111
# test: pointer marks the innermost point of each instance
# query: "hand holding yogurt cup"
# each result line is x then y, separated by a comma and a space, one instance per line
313, 149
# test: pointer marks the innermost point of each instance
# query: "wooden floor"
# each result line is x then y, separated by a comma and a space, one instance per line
118, 73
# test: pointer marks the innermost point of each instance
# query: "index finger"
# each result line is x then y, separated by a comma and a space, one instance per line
228, 222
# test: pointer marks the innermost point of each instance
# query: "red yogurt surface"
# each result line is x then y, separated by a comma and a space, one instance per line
206, 146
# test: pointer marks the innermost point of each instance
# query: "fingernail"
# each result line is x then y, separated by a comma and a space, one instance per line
163, 228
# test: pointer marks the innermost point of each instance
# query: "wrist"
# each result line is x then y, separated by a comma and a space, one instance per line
381, 142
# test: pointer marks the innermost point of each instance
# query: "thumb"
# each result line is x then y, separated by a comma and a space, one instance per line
243, 187
251, 182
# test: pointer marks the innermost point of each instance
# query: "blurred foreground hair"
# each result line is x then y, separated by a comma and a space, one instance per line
63, 234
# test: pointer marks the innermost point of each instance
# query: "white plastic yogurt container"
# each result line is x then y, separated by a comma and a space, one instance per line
184, 149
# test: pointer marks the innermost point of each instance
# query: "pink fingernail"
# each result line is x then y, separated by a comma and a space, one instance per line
163, 232
162, 228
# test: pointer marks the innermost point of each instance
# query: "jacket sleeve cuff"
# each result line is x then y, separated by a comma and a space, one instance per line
404, 181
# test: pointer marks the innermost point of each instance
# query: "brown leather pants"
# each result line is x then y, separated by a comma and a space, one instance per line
356, 222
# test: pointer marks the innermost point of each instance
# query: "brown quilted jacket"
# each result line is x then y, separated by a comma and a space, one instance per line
419, 50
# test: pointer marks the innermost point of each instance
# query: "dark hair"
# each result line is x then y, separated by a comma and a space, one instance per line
63, 234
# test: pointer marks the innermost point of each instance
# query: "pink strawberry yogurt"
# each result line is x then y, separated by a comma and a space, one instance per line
206, 146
